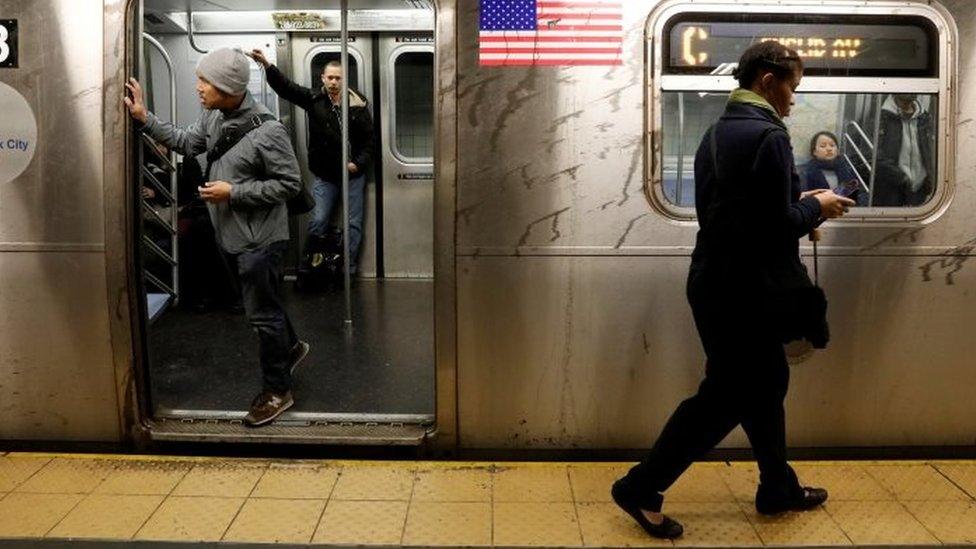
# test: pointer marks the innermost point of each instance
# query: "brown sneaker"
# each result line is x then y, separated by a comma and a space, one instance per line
266, 407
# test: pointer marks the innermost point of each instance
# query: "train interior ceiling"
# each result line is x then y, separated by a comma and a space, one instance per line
370, 331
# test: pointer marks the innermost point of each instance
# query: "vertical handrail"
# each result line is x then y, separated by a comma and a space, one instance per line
874, 159
173, 176
681, 148
344, 102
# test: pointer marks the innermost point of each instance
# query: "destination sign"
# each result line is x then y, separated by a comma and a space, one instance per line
706, 45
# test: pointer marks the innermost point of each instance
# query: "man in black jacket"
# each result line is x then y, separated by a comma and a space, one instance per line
325, 145
751, 215
905, 166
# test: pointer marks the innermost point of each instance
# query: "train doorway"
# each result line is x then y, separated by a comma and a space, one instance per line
371, 380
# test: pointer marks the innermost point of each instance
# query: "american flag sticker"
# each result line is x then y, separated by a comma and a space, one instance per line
542, 32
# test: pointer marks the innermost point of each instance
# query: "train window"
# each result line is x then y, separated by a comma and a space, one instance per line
877, 83
321, 59
865, 148
414, 105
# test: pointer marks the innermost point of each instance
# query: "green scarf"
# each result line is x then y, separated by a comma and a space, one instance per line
749, 97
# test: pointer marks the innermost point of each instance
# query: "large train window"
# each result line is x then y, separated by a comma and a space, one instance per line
414, 106
871, 112
323, 58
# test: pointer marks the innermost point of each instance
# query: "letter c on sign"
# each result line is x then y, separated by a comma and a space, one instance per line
4, 47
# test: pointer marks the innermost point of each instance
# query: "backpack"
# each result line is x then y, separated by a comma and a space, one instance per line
298, 204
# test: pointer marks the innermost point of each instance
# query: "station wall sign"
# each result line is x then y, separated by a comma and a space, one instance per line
18, 134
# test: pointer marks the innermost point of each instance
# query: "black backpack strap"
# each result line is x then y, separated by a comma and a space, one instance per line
230, 138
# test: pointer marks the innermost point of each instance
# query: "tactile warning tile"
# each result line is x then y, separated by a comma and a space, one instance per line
531, 483
144, 478
742, 479
15, 470
374, 482
362, 523
844, 482
276, 521
536, 524
107, 516
700, 482
32, 515
963, 474
713, 525
454, 524
915, 482
68, 476
220, 479
605, 525
813, 527
457, 485
950, 521
592, 483
878, 522
297, 482
191, 519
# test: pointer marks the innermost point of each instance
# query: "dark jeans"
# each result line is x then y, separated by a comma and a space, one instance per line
746, 378
258, 273
327, 196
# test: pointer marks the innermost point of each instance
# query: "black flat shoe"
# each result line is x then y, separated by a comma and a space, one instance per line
810, 498
668, 529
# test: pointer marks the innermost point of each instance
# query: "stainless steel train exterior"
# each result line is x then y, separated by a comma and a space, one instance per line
561, 321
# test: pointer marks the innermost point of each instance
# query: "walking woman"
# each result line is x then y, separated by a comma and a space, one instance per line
751, 215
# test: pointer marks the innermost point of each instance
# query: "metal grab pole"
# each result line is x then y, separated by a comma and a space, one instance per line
344, 102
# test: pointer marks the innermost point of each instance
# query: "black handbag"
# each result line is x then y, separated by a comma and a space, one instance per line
796, 313
301, 203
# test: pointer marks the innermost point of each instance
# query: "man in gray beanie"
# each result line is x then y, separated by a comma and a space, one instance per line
246, 190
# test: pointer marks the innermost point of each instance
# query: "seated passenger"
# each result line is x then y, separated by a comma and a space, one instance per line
827, 169
905, 167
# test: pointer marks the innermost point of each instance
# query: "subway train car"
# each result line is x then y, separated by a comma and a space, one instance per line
529, 219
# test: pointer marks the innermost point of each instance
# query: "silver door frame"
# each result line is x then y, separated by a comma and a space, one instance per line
134, 414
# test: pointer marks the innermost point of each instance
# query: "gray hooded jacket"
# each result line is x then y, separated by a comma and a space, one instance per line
261, 168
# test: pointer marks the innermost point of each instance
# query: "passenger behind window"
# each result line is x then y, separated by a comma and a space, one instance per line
905, 165
828, 169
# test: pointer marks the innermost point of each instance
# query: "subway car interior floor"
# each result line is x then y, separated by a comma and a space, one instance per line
206, 364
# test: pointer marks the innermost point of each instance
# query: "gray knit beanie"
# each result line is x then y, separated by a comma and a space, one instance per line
227, 69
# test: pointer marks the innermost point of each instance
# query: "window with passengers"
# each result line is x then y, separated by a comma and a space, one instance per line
865, 121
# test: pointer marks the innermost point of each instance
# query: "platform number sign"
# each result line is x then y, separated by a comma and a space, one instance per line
8, 43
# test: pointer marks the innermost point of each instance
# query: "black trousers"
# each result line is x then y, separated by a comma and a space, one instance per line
746, 378
258, 273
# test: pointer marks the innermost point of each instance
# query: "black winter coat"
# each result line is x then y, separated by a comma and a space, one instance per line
752, 219
325, 132
892, 186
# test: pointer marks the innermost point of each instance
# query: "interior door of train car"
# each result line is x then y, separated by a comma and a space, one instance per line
370, 375
406, 81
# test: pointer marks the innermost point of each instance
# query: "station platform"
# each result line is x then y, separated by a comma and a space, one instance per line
50, 500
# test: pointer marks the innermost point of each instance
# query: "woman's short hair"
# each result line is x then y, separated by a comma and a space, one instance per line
816, 136
768, 56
